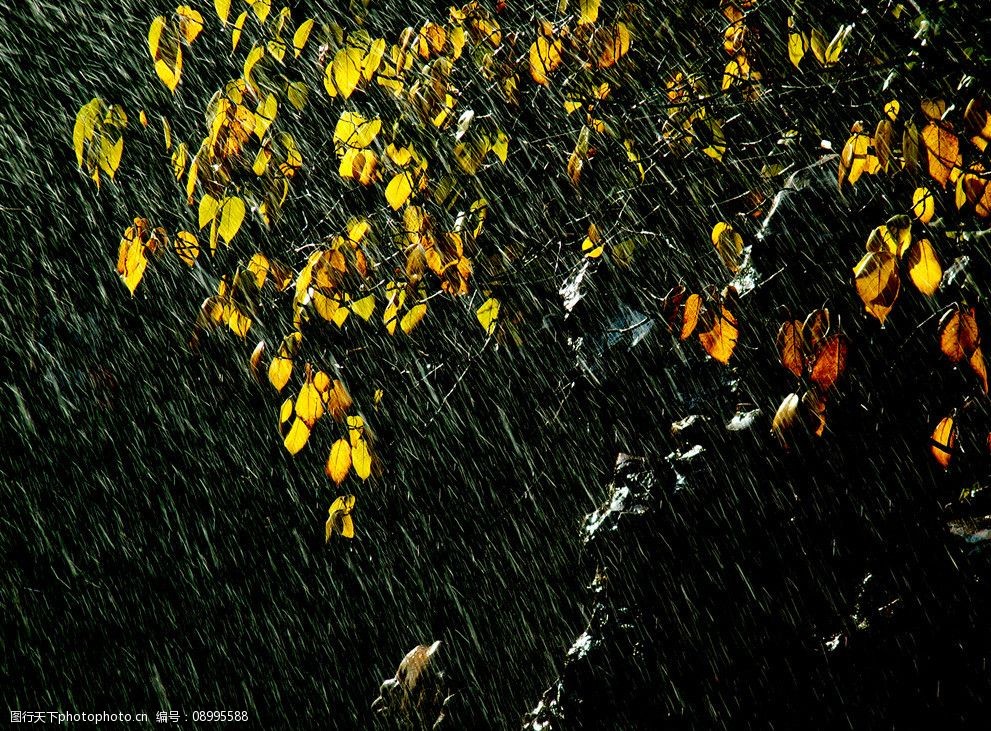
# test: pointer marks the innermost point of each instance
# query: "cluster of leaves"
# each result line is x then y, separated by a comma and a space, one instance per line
407, 131
935, 151
817, 357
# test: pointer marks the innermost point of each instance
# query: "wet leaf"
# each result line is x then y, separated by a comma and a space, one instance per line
877, 282
719, 339
924, 268
339, 519
830, 361
943, 442
790, 347
488, 315
339, 461
729, 245
959, 338
296, 438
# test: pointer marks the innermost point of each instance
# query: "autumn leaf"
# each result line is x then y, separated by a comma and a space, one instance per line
690, 316
309, 405
279, 371
789, 343
339, 461
923, 205
877, 282
720, 338
296, 438
729, 245
488, 315
959, 338
830, 361
942, 151
339, 517
924, 268
943, 442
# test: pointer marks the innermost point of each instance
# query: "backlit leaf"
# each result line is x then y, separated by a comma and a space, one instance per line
231, 216
924, 268
398, 190
361, 458
830, 361
339, 461
789, 343
720, 338
959, 337
296, 438
488, 315
301, 36
279, 371
309, 405
942, 151
187, 247
339, 517
729, 245
877, 282
923, 204
347, 70
943, 442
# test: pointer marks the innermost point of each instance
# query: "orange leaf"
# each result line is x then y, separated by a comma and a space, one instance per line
789, 342
830, 362
943, 441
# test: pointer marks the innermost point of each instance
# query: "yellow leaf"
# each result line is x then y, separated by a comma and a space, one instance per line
309, 405
279, 371
924, 268
592, 246
339, 461
223, 8
261, 8
190, 22
187, 247
413, 317
943, 442
488, 315
923, 204
259, 267
398, 190
208, 209
296, 438
589, 11
361, 458
545, 57
356, 429
373, 59
877, 282
364, 308
296, 93
347, 70
265, 115
354, 131
720, 339
340, 517
231, 216
798, 43
301, 36
729, 245
163, 43
179, 158
238, 322
89, 117
236, 32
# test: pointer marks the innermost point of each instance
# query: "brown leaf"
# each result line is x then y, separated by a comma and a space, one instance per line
830, 362
942, 151
790, 347
959, 338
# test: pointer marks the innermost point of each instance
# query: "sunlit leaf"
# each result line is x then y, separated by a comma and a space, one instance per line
339, 519
959, 337
923, 204
187, 247
301, 36
588, 11
190, 22
690, 318
719, 339
223, 8
398, 191
364, 308
296, 438
943, 441
279, 371
361, 458
236, 31
255, 360
979, 367
488, 315
309, 405
592, 246
790, 347
830, 361
729, 245
339, 461
208, 209
231, 216
877, 282
923, 267
347, 70
942, 151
